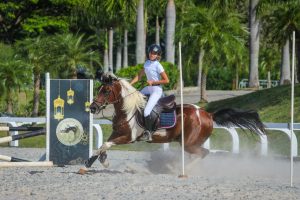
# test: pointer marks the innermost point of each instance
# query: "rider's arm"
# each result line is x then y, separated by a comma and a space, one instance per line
138, 77
164, 79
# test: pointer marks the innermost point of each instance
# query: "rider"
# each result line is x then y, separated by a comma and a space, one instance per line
156, 76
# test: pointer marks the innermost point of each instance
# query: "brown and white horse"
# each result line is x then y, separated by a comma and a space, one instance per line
198, 124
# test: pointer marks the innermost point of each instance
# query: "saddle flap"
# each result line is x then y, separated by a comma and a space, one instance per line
164, 121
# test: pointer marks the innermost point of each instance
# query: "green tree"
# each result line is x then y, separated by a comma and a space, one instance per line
156, 9
15, 74
20, 18
124, 10
37, 53
212, 34
72, 51
281, 18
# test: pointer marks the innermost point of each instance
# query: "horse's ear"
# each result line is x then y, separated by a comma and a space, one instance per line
99, 75
105, 78
112, 76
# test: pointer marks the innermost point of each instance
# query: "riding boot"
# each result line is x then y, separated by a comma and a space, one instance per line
149, 128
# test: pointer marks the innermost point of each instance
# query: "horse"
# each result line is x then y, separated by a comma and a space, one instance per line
128, 104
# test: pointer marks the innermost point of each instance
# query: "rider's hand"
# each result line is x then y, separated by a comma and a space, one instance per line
150, 82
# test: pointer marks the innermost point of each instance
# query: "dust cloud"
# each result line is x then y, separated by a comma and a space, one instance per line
220, 165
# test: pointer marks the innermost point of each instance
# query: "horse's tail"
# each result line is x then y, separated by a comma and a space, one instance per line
249, 119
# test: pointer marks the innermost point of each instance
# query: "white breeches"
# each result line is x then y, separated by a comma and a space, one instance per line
155, 93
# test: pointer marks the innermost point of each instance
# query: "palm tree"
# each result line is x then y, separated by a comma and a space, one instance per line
157, 9
140, 34
15, 74
94, 15
212, 33
254, 24
123, 13
72, 51
170, 31
36, 52
280, 21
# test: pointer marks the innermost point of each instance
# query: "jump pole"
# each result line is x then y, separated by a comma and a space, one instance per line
292, 108
20, 128
22, 136
27, 164
12, 159
181, 106
18, 162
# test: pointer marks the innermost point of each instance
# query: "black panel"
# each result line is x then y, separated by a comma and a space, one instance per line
60, 153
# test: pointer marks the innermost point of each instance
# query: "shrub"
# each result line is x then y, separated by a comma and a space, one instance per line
219, 78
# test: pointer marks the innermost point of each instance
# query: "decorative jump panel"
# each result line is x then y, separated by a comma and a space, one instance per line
70, 122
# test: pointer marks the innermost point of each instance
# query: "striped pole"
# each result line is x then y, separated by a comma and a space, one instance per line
22, 136
26, 164
20, 128
12, 159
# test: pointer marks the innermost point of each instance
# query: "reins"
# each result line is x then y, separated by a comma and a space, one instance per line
106, 103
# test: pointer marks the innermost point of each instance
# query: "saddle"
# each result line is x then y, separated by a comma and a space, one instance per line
163, 114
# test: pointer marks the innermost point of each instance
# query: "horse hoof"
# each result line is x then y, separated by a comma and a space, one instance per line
102, 157
105, 164
82, 171
182, 176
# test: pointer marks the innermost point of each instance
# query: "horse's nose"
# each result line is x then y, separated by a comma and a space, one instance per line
93, 109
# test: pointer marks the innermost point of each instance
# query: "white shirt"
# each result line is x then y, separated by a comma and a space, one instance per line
153, 69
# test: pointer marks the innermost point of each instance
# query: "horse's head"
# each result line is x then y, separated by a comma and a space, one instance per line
108, 93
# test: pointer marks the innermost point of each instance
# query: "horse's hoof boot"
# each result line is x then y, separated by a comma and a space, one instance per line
82, 171
147, 137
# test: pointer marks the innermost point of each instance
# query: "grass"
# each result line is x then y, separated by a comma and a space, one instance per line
272, 104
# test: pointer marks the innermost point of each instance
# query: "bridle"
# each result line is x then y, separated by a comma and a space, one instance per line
106, 103
100, 106
106, 97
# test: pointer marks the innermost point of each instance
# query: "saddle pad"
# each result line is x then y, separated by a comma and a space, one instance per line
167, 119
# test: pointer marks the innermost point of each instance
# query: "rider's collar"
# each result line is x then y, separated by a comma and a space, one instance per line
152, 60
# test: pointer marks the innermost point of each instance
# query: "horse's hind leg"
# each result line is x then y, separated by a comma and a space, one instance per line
197, 150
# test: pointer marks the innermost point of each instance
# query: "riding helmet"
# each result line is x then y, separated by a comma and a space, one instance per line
154, 48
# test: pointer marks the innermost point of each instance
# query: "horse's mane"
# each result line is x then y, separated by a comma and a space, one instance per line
133, 99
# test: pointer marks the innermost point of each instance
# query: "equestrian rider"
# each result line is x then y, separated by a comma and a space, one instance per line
156, 76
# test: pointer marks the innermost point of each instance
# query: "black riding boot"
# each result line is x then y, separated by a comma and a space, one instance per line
149, 128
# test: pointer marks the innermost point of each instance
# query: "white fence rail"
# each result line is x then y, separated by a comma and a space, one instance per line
281, 127
244, 83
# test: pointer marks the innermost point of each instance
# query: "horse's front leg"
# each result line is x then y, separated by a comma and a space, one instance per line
101, 152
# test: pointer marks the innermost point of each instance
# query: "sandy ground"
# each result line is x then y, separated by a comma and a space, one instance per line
152, 175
